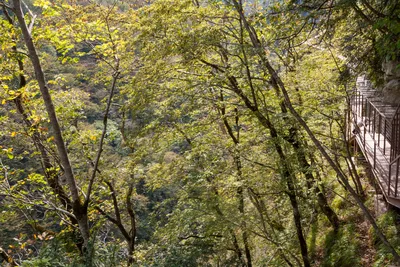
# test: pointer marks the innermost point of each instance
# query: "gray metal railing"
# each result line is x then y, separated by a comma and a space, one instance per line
384, 131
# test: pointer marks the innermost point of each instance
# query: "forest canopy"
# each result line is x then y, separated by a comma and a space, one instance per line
190, 132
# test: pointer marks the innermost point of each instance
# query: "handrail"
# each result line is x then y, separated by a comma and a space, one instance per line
384, 132
367, 99
373, 105
393, 161
397, 110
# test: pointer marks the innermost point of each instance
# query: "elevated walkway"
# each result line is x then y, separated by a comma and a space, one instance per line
376, 128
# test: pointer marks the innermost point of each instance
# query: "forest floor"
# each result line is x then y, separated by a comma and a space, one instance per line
368, 246
367, 250
356, 243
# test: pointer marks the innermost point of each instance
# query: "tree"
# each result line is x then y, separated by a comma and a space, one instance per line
227, 74
280, 86
76, 207
181, 133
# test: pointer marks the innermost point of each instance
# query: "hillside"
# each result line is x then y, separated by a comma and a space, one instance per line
197, 133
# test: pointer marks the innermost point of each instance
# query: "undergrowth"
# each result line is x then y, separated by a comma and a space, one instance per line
389, 223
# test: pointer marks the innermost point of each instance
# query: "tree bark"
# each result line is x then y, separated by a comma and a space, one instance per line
79, 212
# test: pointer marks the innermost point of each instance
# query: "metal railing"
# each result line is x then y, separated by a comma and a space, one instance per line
369, 112
395, 152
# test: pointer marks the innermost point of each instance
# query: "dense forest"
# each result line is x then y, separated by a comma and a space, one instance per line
191, 132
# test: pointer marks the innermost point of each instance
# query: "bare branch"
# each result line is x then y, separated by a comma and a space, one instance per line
115, 201
7, 258
103, 134
33, 17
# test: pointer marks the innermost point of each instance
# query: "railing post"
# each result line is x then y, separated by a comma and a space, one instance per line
384, 138
365, 132
390, 178
374, 125
397, 134
397, 176
394, 140
369, 115
362, 107
374, 154
347, 122
357, 100
379, 129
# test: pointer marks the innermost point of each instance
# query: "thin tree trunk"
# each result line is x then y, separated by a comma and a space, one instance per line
132, 232
292, 139
352, 168
130, 235
311, 184
48, 169
242, 213
238, 164
287, 174
131, 250
297, 221
260, 207
276, 79
79, 212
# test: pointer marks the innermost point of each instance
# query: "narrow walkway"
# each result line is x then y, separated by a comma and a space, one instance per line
376, 127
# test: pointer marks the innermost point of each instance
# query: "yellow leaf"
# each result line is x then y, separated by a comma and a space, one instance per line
13, 134
3, 102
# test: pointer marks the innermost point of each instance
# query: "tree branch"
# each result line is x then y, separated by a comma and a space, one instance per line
103, 134
7, 258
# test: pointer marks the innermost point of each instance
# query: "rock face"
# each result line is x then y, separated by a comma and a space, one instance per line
391, 90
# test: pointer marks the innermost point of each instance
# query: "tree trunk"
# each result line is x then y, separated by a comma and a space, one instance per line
287, 174
244, 226
311, 184
132, 232
238, 164
80, 214
276, 79
131, 250
293, 137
